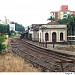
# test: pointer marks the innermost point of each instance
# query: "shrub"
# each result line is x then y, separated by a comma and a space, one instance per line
2, 48
2, 38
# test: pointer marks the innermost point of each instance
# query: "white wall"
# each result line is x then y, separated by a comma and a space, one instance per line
50, 31
12, 27
35, 35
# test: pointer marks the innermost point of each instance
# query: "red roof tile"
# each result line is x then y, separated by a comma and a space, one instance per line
52, 23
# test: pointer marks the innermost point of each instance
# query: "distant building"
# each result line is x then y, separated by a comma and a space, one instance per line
1, 22
34, 31
5, 21
12, 27
62, 13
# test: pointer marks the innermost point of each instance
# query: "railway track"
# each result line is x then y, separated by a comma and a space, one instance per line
47, 60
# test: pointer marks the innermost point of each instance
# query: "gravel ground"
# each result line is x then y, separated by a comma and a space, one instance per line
62, 47
67, 48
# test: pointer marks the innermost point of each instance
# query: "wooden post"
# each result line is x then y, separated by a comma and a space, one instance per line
43, 43
46, 44
53, 44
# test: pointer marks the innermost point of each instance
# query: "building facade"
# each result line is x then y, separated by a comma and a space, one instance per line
5, 21
62, 13
53, 33
12, 27
50, 33
34, 32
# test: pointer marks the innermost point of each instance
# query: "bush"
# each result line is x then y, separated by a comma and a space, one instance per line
2, 48
2, 38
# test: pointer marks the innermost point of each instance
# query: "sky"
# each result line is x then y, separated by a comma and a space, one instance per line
27, 12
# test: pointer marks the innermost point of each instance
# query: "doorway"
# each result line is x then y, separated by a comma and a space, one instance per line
54, 37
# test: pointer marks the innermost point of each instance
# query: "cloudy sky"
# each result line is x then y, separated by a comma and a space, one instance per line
27, 12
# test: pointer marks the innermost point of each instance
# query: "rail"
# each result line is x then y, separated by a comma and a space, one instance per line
42, 57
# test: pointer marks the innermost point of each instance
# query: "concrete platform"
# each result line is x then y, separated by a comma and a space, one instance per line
50, 47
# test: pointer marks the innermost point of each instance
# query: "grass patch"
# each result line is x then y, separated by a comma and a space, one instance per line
14, 63
2, 48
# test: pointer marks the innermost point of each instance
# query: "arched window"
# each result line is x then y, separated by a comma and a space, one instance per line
61, 36
46, 36
54, 37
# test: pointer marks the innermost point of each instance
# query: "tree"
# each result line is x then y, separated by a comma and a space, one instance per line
3, 28
2, 48
8, 30
51, 18
70, 21
18, 27
62, 21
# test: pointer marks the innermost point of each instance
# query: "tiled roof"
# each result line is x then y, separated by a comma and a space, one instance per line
52, 23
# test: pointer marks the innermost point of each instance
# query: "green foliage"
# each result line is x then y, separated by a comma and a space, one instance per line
70, 21
18, 27
2, 48
51, 18
62, 21
3, 28
2, 38
13, 33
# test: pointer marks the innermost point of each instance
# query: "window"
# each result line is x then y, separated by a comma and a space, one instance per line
46, 36
61, 36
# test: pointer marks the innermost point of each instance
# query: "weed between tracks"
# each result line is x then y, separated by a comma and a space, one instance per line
14, 63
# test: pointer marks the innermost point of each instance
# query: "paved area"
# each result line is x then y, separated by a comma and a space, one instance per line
55, 46
50, 47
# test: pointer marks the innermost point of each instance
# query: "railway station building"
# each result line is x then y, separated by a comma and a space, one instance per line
49, 33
